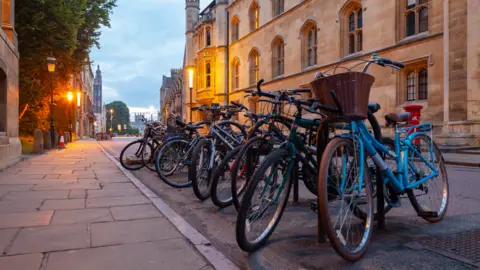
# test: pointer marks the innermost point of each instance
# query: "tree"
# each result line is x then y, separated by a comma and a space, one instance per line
65, 29
121, 115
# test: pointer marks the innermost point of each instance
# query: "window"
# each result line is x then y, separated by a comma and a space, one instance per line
417, 84
254, 13
201, 76
310, 44
278, 7
201, 43
208, 75
278, 53
236, 74
416, 17
355, 35
235, 29
209, 36
254, 59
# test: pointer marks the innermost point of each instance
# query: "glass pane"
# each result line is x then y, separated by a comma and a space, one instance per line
351, 22
208, 37
410, 21
310, 38
360, 19
410, 4
359, 41
351, 44
423, 84
208, 80
208, 68
411, 86
423, 20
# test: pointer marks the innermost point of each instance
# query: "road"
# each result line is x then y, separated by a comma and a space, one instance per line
406, 243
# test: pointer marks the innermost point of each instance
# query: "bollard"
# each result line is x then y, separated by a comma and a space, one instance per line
37, 141
416, 111
47, 143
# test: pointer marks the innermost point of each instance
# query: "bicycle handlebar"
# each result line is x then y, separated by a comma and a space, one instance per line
386, 61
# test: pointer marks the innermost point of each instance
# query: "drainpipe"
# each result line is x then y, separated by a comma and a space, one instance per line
228, 58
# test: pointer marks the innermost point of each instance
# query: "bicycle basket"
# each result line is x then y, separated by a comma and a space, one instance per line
352, 90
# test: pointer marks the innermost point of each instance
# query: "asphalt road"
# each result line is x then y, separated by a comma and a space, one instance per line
405, 244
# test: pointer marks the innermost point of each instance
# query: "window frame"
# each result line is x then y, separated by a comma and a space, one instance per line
254, 16
235, 29
208, 36
278, 57
309, 45
415, 88
354, 37
406, 22
235, 74
254, 72
208, 74
278, 7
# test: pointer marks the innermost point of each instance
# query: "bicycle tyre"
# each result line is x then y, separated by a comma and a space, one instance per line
193, 170
220, 171
122, 154
150, 162
243, 242
413, 198
161, 150
324, 201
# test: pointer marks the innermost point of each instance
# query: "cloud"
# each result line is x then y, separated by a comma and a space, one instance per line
109, 94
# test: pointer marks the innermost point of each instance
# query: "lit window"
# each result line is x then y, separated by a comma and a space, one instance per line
208, 75
254, 13
236, 74
254, 60
235, 29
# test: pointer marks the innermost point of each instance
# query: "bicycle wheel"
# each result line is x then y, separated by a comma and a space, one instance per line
170, 163
254, 151
235, 130
221, 180
149, 157
339, 171
270, 186
131, 156
423, 197
199, 172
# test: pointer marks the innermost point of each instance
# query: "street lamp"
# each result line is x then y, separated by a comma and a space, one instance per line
111, 121
70, 98
190, 85
51, 61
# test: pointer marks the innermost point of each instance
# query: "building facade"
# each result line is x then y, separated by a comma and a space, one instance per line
10, 146
86, 118
97, 92
231, 44
138, 123
171, 95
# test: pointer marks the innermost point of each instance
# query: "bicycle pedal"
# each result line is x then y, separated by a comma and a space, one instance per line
314, 207
428, 214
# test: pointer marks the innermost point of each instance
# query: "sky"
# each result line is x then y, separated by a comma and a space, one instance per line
146, 40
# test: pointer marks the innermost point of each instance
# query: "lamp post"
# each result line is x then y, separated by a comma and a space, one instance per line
70, 98
111, 122
51, 61
190, 85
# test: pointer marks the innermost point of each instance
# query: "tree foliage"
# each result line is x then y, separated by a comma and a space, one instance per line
121, 115
65, 29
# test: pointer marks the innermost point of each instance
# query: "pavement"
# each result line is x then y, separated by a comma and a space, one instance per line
75, 209
407, 243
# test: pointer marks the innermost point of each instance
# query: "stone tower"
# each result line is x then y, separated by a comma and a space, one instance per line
97, 91
192, 11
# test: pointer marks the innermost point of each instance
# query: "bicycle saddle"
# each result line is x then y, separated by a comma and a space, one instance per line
395, 118
374, 107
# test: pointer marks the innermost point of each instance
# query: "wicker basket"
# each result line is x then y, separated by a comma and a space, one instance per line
352, 90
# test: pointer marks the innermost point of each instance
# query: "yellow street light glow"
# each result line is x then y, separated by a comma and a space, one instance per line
70, 96
51, 61
190, 78
79, 97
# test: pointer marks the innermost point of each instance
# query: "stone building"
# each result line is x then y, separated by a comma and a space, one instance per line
97, 92
86, 117
171, 95
233, 43
10, 147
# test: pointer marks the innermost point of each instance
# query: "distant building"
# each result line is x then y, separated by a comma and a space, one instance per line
97, 92
86, 119
101, 120
138, 122
171, 95
10, 147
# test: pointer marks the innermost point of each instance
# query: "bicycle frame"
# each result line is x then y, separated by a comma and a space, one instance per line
400, 179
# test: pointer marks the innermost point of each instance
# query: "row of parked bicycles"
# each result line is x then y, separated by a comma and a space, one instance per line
339, 154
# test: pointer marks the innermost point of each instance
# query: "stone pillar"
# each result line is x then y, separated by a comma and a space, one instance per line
37, 141
8, 19
47, 141
473, 56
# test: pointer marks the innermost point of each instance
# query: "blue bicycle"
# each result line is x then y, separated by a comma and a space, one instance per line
411, 164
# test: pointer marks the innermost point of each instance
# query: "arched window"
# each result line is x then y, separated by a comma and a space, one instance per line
278, 7
3, 101
235, 29
278, 54
235, 74
417, 84
201, 41
310, 43
416, 17
254, 59
209, 36
254, 14
208, 75
355, 35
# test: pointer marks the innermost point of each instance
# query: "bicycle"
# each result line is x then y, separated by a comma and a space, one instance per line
344, 187
212, 148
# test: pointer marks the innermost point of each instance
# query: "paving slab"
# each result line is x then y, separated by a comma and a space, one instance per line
135, 212
62, 186
133, 231
63, 204
116, 179
19, 177
81, 216
6, 237
88, 181
21, 262
116, 201
36, 171
30, 195
173, 254
17, 206
15, 187
77, 194
118, 186
113, 193
27, 219
50, 238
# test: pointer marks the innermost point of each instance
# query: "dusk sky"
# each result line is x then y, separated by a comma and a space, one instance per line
146, 40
